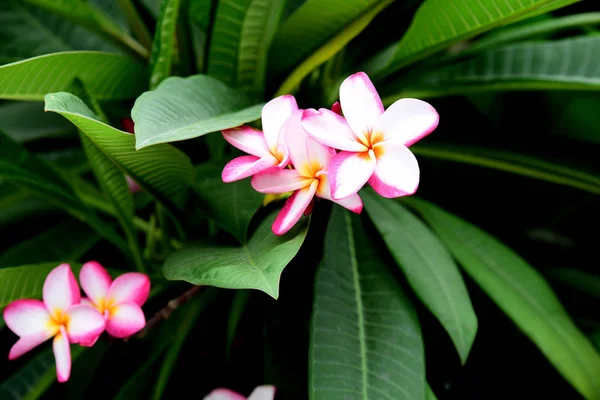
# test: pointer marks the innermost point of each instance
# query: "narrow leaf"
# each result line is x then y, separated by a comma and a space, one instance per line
365, 337
578, 279
522, 294
17, 204
255, 265
164, 42
428, 266
238, 306
186, 108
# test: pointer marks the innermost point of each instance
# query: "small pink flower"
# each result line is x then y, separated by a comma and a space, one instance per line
265, 392
119, 301
309, 178
59, 316
374, 143
266, 148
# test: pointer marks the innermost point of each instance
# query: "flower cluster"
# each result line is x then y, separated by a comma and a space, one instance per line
265, 392
114, 306
329, 155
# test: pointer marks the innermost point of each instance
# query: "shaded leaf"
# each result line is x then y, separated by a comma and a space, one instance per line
522, 294
365, 336
164, 42
578, 279
17, 204
255, 265
428, 267
26, 121
238, 306
186, 108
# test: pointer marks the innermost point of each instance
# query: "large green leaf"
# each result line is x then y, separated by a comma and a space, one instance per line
240, 40
564, 64
428, 267
255, 265
107, 76
365, 337
580, 280
199, 15
164, 42
440, 23
186, 108
163, 171
332, 46
522, 294
67, 241
28, 31
519, 164
26, 121
231, 205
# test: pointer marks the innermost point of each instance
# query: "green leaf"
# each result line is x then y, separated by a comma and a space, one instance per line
365, 339
28, 31
164, 171
230, 205
557, 65
238, 306
27, 121
199, 16
519, 164
522, 294
135, 21
439, 24
332, 46
107, 76
35, 378
255, 265
241, 37
428, 267
17, 204
94, 18
164, 42
67, 241
186, 108
578, 279
429, 395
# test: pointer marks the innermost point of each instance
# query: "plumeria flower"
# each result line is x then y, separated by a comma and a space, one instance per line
59, 316
374, 142
266, 148
118, 301
265, 392
309, 178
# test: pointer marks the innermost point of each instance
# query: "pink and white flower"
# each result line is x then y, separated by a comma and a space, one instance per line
58, 316
265, 392
309, 177
118, 301
266, 147
373, 141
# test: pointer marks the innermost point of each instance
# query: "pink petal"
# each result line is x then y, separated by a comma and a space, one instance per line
87, 302
307, 155
348, 172
293, 209
224, 394
274, 115
331, 129
125, 320
132, 185
407, 121
89, 343
336, 108
27, 317
352, 202
62, 355
247, 139
60, 289
265, 392
361, 103
95, 281
28, 342
397, 172
84, 323
245, 166
131, 287
279, 181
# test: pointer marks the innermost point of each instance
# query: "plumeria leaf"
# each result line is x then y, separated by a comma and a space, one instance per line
164, 42
522, 294
438, 24
554, 65
578, 279
186, 108
17, 203
428, 267
520, 164
230, 205
199, 14
238, 306
240, 40
163, 171
255, 265
429, 395
76, 239
27, 121
365, 336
